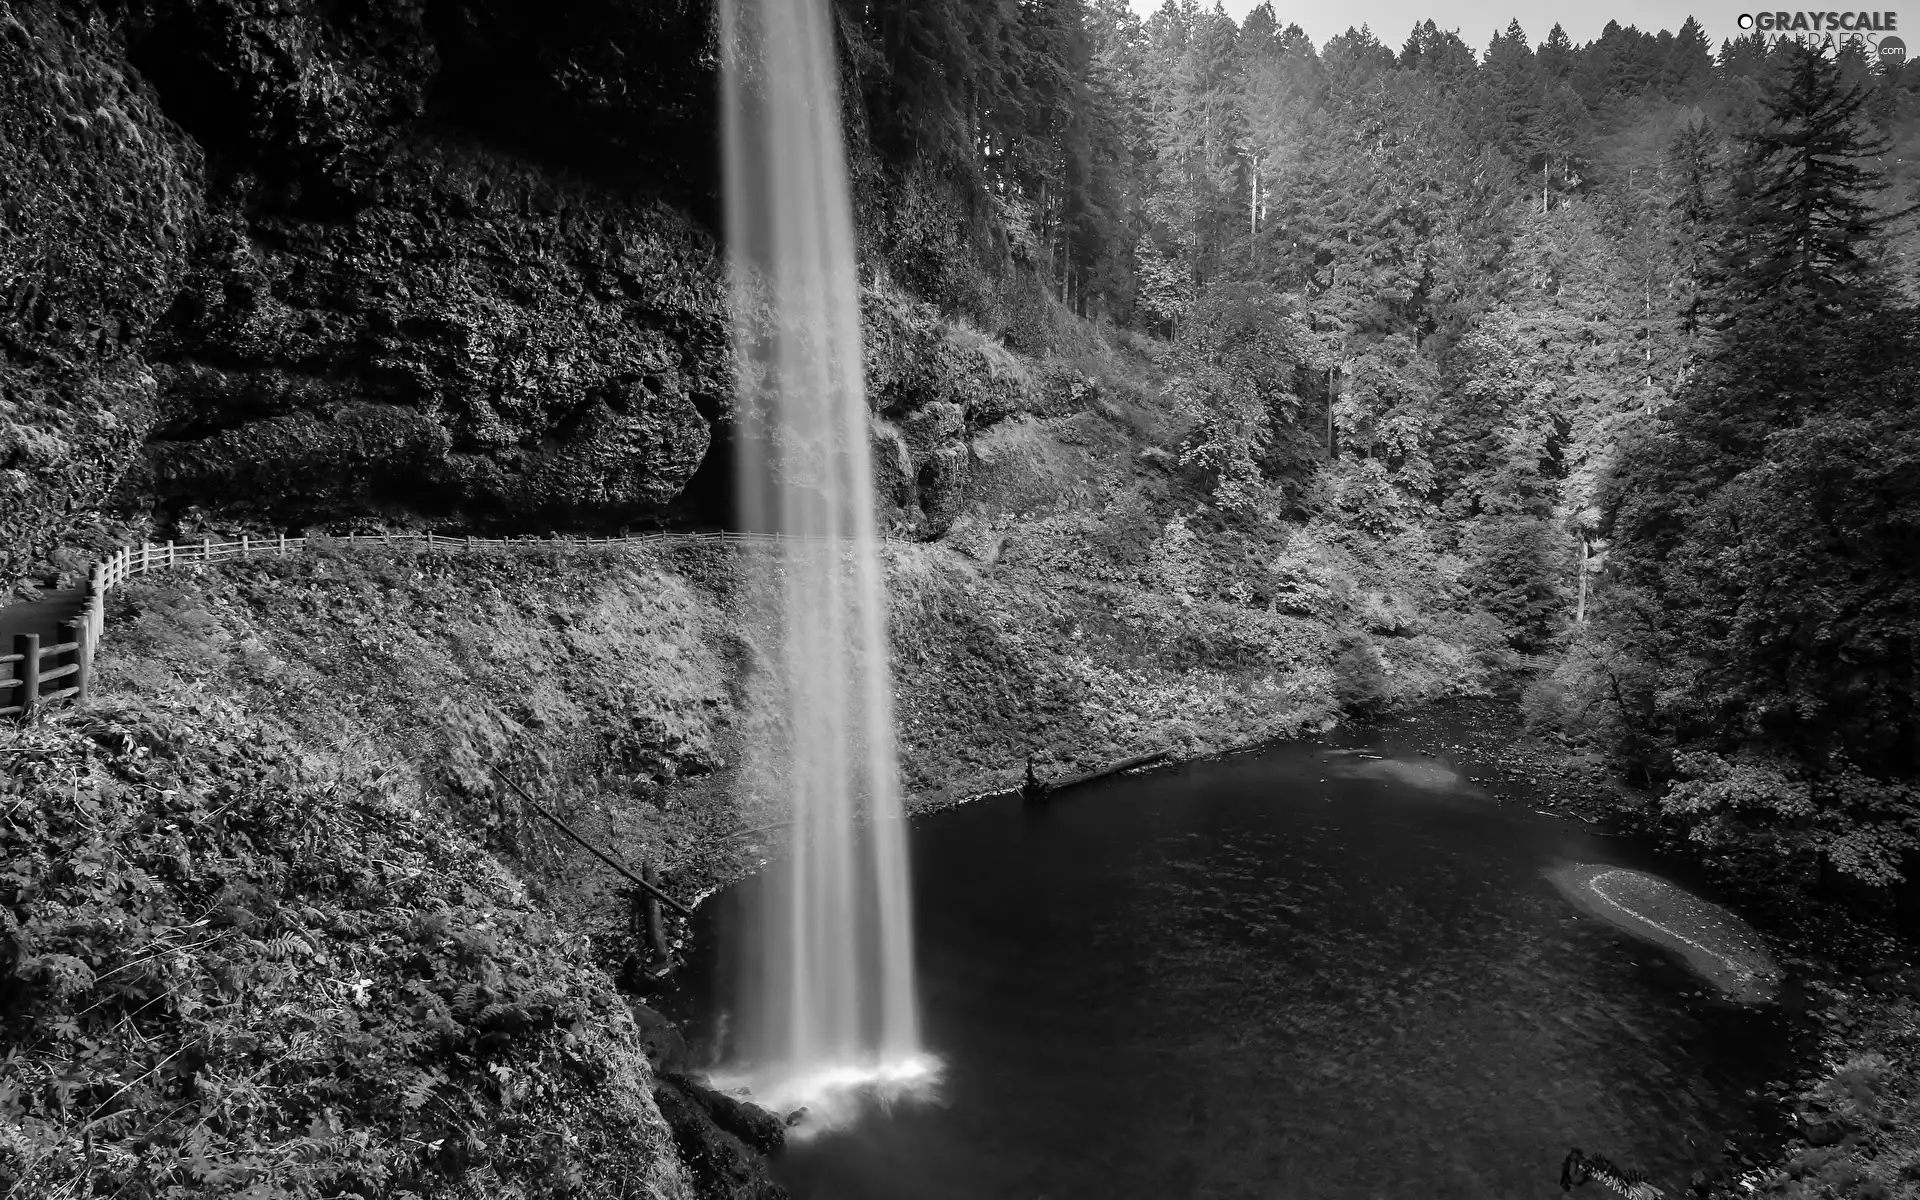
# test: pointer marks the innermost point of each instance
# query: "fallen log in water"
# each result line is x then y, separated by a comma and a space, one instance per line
1036, 788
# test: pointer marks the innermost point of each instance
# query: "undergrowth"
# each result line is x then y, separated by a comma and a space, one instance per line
1858, 1119
235, 967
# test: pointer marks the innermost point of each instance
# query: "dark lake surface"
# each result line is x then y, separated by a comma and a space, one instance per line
1299, 974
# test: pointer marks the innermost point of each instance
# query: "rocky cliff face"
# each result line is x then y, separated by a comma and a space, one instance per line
101, 198
483, 339
301, 264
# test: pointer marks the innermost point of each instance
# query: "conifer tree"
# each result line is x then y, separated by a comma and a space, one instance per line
1557, 55
1437, 52
1688, 66
1511, 81
1805, 213
1354, 59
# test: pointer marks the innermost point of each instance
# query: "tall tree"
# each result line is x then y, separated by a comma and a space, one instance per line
1437, 52
1512, 90
1557, 55
1355, 59
1688, 67
1694, 181
1807, 212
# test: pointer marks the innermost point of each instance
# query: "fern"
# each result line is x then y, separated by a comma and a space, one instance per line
1579, 1167
288, 945
419, 1089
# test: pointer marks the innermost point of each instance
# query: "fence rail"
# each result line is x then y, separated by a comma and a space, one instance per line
27, 690
35, 665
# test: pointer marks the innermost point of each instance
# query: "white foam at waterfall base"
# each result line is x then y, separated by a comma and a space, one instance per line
832, 1097
829, 1004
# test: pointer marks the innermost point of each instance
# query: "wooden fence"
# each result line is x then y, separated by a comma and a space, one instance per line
34, 665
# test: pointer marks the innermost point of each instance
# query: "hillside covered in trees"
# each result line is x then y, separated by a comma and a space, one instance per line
1628, 325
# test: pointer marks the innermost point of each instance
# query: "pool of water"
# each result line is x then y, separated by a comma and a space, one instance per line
1298, 974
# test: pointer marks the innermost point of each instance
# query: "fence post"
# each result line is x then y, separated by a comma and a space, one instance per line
206, 549
283, 544
246, 545
27, 671
96, 589
75, 631
169, 553
146, 555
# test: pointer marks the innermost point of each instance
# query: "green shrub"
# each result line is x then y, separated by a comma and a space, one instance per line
1517, 563
1359, 682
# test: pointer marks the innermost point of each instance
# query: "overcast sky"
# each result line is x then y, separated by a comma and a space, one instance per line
1478, 20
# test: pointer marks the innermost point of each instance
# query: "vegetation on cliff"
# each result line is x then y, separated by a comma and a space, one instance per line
236, 966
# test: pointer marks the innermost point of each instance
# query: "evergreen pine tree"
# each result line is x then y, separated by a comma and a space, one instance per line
1354, 59
1511, 80
1744, 56
1557, 55
1437, 52
1694, 180
1688, 68
1805, 214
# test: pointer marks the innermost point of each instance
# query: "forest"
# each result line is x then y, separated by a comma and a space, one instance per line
1631, 321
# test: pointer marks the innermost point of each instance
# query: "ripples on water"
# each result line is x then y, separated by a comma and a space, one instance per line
1276, 977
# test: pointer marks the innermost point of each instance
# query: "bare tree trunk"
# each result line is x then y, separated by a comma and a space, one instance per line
1580, 607
1253, 205
1648, 327
1330, 396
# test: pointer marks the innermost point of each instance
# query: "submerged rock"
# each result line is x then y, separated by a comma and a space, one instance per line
1714, 942
1428, 775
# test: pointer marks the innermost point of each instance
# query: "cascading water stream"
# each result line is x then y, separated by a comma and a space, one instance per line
829, 1010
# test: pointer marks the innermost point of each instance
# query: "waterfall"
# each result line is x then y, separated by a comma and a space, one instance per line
829, 1008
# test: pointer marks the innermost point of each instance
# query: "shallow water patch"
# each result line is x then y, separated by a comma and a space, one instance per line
1711, 940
